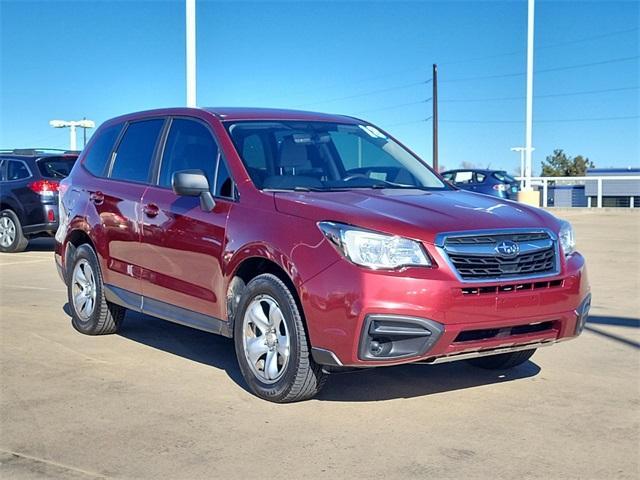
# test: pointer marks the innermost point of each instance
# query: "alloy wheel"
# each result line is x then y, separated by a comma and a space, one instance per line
266, 339
83, 289
7, 231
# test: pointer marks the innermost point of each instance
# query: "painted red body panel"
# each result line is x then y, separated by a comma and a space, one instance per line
187, 257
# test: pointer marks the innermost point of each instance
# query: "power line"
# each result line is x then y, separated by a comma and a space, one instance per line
550, 95
559, 120
391, 107
543, 47
408, 123
364, 94
546, 70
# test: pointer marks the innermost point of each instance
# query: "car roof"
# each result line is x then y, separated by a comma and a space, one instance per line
242, 113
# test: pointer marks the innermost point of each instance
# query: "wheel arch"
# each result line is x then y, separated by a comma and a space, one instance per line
249, 268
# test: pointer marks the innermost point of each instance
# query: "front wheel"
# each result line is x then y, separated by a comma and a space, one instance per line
271, 343
502, 361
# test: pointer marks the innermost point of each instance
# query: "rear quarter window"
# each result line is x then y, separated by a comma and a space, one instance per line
97, 157
56, 167
503, 177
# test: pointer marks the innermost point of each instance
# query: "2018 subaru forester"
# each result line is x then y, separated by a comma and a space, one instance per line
316, 241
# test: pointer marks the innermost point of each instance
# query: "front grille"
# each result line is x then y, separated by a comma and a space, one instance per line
476, 258
484, 239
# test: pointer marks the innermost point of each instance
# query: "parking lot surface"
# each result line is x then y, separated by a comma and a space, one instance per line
160, 400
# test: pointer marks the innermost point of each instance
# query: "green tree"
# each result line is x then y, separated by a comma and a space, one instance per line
562, 165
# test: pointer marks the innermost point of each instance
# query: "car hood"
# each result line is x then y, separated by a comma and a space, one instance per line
414, 213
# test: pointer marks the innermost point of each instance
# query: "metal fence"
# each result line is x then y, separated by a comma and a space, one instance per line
617, 190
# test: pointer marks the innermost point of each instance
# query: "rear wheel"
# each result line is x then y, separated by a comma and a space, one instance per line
271, 343
12, 239
502, 361
91, 313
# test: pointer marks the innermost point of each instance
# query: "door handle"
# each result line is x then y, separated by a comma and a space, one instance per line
96, 197
151, 210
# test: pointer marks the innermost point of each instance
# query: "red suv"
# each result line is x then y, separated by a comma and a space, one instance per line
317, 242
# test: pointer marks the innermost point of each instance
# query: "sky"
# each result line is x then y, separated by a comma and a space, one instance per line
99, 59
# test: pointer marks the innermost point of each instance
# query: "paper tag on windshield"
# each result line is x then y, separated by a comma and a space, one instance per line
372, 131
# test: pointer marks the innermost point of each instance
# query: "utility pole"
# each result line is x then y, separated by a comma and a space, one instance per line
190, 15
434, 119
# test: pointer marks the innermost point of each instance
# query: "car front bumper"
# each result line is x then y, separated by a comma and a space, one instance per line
340, 303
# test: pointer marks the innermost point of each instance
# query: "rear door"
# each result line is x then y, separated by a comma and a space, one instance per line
182, 244
117, 200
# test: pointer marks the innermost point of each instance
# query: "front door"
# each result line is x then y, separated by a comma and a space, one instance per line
183, 244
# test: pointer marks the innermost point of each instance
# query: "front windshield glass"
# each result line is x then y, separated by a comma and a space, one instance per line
299, 155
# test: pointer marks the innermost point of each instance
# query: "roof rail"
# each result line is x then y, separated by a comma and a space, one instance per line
37, 151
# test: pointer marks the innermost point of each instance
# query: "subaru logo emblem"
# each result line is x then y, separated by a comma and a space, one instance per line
507, 248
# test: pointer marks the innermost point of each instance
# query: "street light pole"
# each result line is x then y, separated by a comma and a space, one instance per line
522, 151
84, 124
191, 51
529, 104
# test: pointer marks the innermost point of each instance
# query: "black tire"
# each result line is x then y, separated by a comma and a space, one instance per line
502, 361
19, 242
301, 378
105, 317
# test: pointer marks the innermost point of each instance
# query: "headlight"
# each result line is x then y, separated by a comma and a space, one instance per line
374, 250
567, 238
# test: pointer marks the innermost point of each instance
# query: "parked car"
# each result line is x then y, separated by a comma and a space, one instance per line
29, 181
317, 242
490, 182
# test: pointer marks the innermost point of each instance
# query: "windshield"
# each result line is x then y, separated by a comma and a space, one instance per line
298, 155
56, 167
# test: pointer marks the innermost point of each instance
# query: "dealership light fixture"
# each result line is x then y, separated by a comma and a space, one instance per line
72, 125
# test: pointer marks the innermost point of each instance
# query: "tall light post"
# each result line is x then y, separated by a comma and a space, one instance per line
72, 129
190, 15
521, 150
529, 106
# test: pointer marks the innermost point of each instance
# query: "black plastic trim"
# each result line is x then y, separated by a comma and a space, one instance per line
166, 311
323, 356
416, 336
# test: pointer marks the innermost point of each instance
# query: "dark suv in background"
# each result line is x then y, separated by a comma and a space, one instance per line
29, 180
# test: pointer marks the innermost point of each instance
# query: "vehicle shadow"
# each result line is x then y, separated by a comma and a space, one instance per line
376, 384
42, 244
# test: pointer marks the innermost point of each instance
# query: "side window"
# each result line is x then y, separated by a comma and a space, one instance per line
3, 177
464, 178
480, 177
135, 152
16, 170
98, 155
189, 146
224, 182
448, 176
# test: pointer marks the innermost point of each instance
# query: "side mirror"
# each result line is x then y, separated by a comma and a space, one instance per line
193, 183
